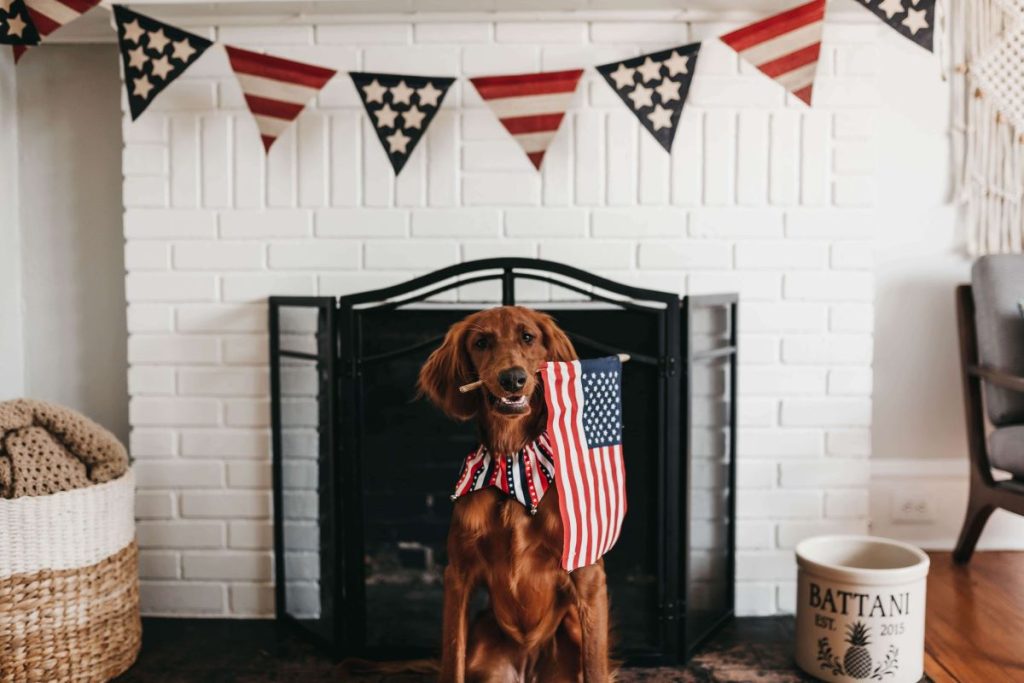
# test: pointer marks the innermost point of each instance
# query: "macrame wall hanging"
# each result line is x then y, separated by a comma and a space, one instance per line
987, 40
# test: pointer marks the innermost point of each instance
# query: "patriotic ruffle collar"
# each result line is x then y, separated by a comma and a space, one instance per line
524, 476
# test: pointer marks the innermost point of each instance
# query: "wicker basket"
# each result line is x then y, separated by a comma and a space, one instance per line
69, 588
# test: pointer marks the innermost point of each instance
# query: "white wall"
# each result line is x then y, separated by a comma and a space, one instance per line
72, 248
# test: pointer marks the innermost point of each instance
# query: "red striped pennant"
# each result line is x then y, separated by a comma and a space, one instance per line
276, 89
530, 106
49, 15
784, 46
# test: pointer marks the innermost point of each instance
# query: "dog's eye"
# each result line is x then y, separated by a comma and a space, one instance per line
481, 343
527, 337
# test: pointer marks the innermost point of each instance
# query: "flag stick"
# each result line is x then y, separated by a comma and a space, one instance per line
465, 388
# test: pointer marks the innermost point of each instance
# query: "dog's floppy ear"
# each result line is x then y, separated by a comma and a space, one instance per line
555, 341
447, 369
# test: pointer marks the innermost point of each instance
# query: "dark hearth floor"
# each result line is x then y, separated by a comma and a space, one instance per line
750, 650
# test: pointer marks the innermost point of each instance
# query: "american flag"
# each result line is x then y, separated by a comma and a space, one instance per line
584, 400
276, 89
784, 46
49, 15
530, 106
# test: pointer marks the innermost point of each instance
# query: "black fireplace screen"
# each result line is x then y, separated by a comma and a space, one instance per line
363, 471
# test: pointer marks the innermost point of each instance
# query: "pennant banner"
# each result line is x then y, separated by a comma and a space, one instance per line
784, 46
49, 15
400, 107
153, 54
912, 19
276, 89
530, 106
654, 86
16, 26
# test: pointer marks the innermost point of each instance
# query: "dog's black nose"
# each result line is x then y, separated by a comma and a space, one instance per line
512, 379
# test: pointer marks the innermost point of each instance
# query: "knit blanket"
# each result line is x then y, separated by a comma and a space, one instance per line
46, 448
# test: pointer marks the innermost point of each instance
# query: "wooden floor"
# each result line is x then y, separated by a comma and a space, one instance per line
975, 620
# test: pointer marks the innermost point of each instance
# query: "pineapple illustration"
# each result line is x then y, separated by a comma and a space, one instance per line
857, 660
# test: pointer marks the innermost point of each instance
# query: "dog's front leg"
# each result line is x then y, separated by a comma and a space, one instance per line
592, 603
454, 625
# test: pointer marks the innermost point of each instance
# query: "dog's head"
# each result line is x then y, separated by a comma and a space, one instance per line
502, 347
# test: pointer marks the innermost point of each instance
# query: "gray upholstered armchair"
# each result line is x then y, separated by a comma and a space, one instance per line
992, 362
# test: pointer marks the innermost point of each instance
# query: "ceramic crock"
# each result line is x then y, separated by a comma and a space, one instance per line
860, 609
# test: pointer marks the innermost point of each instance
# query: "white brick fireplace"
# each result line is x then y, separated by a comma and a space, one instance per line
761, 196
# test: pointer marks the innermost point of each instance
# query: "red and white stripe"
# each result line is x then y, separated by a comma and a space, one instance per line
591, 481
784, 46
276, 89
530, 106
49, 15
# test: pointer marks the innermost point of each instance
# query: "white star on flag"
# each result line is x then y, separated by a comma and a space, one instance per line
623, 76
650, 70
660, 117
413, 118
183, 50
143, 86
386, 116
137, 57
891, 7
915, 20
16, 26
641, 96
677, 64
132, 31
158, 41
161, 67
429, 95
374, 92
668, 90
401, 93
397, 141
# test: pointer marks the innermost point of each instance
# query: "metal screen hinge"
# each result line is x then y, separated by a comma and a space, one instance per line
668, 366
669, 610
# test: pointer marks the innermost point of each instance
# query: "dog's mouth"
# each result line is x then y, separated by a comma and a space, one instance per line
513, 404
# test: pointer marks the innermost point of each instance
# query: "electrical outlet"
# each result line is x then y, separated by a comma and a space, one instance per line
911, 507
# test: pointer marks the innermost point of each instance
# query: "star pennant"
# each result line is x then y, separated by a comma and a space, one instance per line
654, 86
530, 106
153, 54
16, 27
912, 19
784, 46
47, 16
276, 89
400, 108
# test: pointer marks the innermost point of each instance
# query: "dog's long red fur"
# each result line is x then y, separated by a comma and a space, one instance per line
543, 624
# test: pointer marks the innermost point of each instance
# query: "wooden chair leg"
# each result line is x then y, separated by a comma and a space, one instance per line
978, 512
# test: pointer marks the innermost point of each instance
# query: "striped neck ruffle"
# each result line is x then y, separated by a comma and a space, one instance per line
525, 475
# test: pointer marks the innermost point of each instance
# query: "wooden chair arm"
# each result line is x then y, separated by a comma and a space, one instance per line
1000, 378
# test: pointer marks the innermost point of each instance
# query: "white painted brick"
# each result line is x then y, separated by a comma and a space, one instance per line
172, 411
749, 286
719, 154
462, 32
783, 317
755, 535
250, 535
781, 381
312, 161
155, 564
779, 443
829, 286
154, 505
815, 144
360, 33
846, 504
142, 159
144, 191
537, 32
850, 382
442, 160
246, 350
225, 443
249, 475
589, 254
185, 598
149, 129
782, 255
855, 190
655, 172
267, 35
179, 534
172, 349
168, 287
853, 157
247, 413
761, 566
688, 159
514, 189
350, 283
853, 256
755, 91
474, 250
755, 599
252, 599
556, 171
784, 182
756, 474
639, 223
361, 223
218, 256
149, 443
779, 505
828, 224
758, 349
248, 163
215, 164
546, 222
258, 287
225, 504
758, 412
146, 256
735, 223
849, 442
833, 93
835, 349
318, 254
826, 412
819, 474
177, 473
456, 223
233, 566
588, 146
150, 380
668, 32
187, 95
426, 60
169, 223
263, 224
247, 382
854, 125
684, 254
411, 255
852, 318
149, 318
621, 132
791, 533
345, 154
752, 148
221, 318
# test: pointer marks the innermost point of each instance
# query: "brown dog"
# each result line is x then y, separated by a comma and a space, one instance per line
543, 624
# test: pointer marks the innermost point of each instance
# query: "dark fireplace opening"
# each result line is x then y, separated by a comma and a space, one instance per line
364, 470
